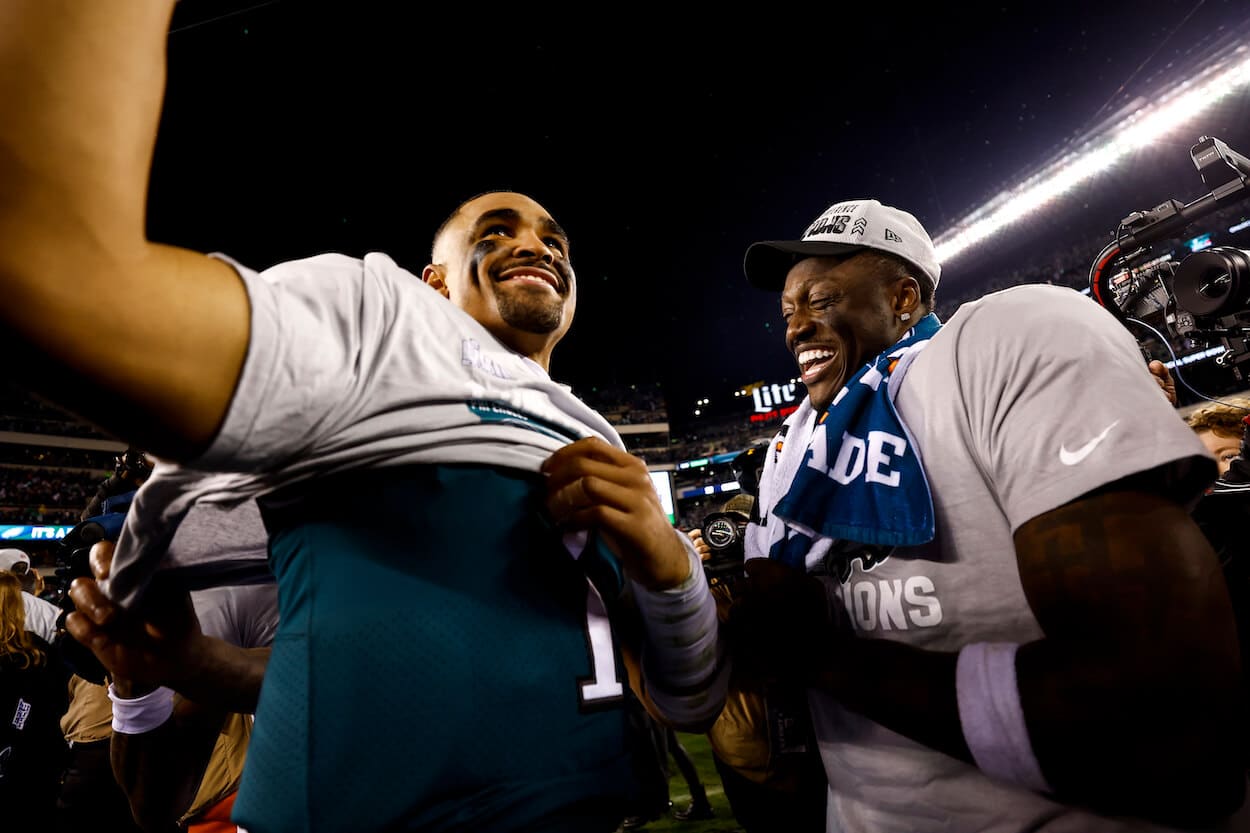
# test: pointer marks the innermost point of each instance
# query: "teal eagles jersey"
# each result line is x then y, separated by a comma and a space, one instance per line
440, 663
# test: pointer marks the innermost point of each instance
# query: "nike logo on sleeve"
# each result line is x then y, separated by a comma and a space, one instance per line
1071, 458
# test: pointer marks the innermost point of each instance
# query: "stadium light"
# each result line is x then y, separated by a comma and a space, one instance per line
1150, 122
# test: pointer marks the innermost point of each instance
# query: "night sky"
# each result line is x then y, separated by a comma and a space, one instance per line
664, 142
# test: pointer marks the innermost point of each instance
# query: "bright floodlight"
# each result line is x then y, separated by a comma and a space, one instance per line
1148, 123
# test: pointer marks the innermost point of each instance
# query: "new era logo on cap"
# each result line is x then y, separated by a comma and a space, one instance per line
843, 228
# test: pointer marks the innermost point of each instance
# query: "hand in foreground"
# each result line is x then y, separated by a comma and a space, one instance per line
700, 544
1163, 377
142, 649
780, 627
593, 485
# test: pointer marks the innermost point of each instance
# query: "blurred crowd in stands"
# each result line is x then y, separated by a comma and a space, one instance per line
637, 403
45, 496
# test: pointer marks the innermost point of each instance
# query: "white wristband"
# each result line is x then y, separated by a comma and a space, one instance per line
991, 716
142, 714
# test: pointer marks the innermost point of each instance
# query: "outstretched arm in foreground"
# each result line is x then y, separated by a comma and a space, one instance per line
81, 86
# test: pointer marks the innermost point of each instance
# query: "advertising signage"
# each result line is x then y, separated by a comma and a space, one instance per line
11, 532
774, 401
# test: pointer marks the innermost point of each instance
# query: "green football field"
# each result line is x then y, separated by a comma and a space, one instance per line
679, 793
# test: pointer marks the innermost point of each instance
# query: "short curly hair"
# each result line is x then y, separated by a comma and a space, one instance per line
1224, 419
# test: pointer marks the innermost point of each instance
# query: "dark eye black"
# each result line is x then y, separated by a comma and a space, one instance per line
498, 228
555, 243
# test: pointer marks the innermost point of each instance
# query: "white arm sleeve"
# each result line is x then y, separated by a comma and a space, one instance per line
683, 660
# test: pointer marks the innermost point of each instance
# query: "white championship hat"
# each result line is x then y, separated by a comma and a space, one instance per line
845, 227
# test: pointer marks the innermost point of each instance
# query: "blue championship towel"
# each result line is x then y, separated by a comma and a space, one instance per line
861, 478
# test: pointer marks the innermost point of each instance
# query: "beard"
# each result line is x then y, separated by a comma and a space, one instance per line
539, 315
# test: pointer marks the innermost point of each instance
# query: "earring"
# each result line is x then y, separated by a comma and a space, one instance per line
905, 317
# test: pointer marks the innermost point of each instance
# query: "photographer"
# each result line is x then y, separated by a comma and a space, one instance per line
131, 470
762, 744
90, 794
182, 770
1223, 513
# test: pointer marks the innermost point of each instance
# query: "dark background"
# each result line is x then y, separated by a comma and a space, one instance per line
665, 142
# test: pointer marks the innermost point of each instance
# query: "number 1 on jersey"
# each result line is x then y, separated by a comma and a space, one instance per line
604, 684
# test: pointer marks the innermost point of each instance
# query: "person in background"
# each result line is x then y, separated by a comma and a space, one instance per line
32, 700
649, 761
42, 617
184, 773
699, 808
1223, 512
1221, 426
762, 741
89, 795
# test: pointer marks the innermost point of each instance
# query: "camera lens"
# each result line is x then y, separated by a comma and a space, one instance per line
1214, 283
720, 533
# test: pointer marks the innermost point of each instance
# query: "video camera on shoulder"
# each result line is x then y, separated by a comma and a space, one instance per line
73, 560
1201, 300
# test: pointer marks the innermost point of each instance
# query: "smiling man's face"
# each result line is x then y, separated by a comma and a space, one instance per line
840, 312
504, 260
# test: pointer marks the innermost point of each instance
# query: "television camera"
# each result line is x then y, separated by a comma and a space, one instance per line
1204, 299
725, 530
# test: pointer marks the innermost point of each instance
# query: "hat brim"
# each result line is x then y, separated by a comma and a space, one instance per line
768, 262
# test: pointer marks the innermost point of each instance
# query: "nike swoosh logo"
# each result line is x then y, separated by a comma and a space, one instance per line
1071, 458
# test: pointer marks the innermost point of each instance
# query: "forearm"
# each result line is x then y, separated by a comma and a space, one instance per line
683, 666
224, 676
214, 673
160, 767
1108, 730
1137, 731
1134, 701
160, 770
908, 690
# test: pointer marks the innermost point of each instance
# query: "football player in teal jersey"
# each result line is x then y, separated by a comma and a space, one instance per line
463, 548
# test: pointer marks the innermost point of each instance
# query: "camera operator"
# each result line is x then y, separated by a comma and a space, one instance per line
1200, 300
178, 760
1223, 515
90, 794
131, 470
762, 742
